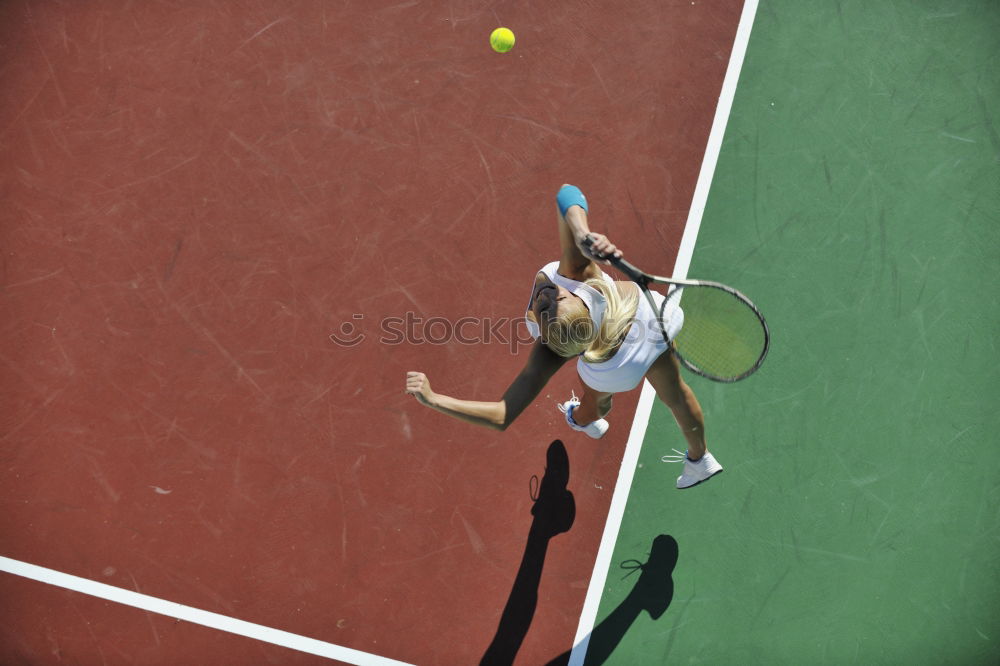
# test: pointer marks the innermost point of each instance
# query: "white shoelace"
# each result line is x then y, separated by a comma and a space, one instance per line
573, 399
670, 458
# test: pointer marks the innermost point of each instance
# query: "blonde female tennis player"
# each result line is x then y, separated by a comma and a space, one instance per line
577, 310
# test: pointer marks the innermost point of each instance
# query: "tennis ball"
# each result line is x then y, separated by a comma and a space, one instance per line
502, 40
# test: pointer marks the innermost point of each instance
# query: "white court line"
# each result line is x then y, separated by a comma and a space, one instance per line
193, 615
588, 616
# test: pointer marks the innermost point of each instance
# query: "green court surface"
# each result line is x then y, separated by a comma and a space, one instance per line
857, 201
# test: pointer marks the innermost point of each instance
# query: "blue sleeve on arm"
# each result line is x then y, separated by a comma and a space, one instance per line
570, 195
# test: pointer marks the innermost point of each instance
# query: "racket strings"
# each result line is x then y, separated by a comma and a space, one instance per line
723, 336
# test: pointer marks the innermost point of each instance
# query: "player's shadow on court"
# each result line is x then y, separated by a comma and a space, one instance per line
653, 592
553, 513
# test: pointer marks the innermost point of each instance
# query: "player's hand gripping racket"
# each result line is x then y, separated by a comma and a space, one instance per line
724, 336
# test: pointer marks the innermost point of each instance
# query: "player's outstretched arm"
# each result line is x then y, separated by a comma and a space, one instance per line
577, 261
541, 365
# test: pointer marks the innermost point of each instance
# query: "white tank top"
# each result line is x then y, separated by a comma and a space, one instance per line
642, 345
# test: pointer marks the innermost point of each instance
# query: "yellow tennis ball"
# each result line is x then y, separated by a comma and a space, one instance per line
502, 40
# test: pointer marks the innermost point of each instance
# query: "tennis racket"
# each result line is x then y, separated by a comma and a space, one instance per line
724, 337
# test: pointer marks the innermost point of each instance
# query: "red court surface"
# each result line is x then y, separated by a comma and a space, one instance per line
196, 195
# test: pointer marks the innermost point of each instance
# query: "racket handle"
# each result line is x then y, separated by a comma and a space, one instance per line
625, 267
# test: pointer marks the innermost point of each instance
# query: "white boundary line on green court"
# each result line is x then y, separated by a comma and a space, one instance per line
193, 615
588, 617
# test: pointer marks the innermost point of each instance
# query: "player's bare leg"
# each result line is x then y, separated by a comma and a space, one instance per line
670, 387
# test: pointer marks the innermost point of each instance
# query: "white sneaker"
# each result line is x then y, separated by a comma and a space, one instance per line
694, 472
595, 429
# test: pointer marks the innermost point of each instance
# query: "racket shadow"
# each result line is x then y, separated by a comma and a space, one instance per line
652, 593
553, 512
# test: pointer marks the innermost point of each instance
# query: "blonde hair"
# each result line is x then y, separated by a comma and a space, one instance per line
573, 332
618, 316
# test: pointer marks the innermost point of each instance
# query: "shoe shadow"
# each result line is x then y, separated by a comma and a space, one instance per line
653, 592
553, 513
